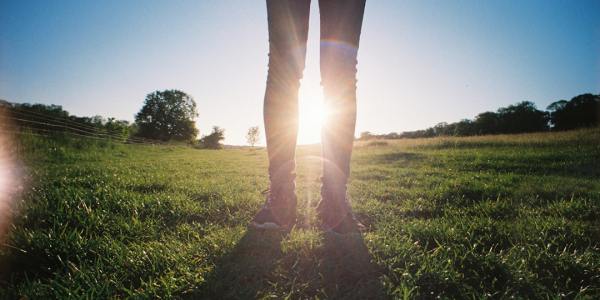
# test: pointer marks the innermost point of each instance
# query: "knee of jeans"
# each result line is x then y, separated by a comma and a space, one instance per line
338, 83
337, 61
339, 79
339, 91
283, 83
285, 69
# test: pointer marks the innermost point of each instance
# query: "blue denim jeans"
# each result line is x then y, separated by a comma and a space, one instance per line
341, 22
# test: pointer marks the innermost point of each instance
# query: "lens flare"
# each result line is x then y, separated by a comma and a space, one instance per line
10, 177
312, 112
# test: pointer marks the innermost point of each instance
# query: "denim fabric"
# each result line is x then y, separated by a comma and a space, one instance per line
341, 22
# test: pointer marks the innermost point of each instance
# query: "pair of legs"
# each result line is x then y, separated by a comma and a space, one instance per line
341, 22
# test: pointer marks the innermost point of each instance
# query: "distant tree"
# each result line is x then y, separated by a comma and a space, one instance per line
366, 135
97, 121
53, 119
253, 135
391, 136
558, 105
133, 129
486, 123
117, 128
464, 128
413, 134
167, 115
558, 116
522, 117
429, 132
581, 111
213, 140
47, 110
38, 117
441, 129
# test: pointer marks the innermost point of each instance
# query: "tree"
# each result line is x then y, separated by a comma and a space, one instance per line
441, 129
117, 128
486, 123
253, 135
167, 115
392, 136
522, 117
581, 111
464, 127
558, 114
366, 135
213, 140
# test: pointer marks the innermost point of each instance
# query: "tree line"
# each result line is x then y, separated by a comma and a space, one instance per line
170, 115
579, 112
53, 119
166, 116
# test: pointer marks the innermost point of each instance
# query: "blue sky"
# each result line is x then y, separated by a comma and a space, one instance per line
420, 62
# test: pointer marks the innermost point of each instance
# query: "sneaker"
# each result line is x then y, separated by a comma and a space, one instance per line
336, 216
276, 215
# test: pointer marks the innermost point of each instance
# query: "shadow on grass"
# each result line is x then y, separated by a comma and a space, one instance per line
348, 271
339, 268
245, 271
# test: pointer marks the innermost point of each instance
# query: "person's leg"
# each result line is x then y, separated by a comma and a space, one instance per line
288, 32
341, 22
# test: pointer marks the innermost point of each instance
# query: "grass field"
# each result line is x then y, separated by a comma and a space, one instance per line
493, 216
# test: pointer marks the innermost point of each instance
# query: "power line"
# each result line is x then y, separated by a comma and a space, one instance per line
95, 132
84, 130
82, 126
66, 132
86, 134
14, 108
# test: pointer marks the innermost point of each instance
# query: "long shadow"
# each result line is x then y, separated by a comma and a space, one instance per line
246, 270
348, 269
341, 268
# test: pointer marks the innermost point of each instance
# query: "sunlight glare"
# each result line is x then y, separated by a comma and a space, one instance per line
10, 179
312, 113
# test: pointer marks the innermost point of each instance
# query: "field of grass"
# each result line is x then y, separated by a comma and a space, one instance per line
494, 216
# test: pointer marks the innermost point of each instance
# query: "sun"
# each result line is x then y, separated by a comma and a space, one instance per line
312, 113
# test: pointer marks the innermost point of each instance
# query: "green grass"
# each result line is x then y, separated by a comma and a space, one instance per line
495, 216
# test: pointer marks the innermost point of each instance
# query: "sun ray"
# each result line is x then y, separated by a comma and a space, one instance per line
312, 113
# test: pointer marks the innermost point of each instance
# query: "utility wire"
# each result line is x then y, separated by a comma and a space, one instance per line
95, 130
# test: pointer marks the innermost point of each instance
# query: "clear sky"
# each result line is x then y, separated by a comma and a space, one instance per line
420, 62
